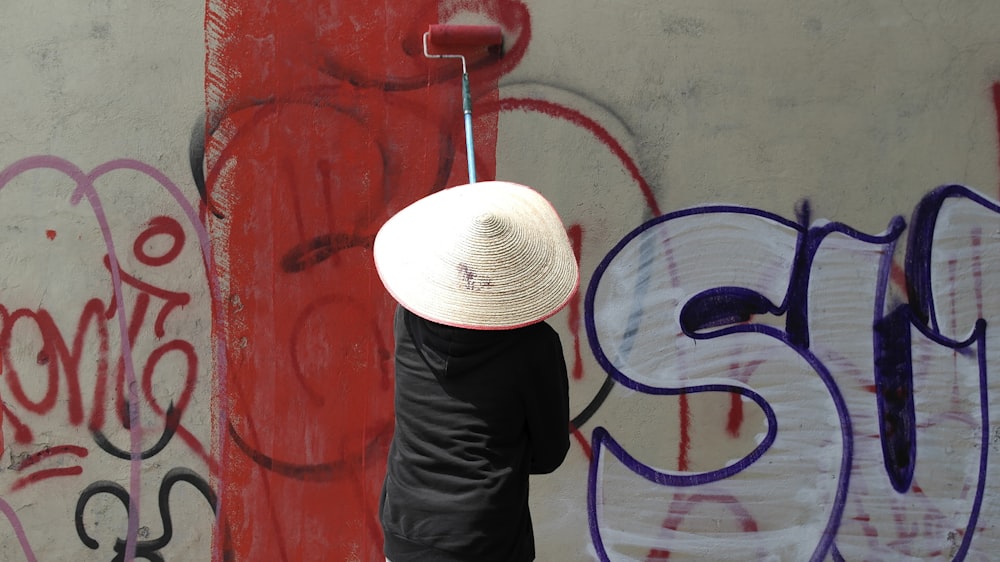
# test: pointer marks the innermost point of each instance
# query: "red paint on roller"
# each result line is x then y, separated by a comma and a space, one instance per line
443, 35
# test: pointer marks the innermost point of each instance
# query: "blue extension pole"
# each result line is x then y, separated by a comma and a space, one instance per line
467, 109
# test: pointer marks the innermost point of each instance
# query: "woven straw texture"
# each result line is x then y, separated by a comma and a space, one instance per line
489, 256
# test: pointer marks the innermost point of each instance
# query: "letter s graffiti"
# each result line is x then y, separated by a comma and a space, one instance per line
705, 286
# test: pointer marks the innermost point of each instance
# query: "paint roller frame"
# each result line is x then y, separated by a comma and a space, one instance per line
466, 37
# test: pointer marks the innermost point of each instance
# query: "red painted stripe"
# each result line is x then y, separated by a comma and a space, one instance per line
43, 475
322, 123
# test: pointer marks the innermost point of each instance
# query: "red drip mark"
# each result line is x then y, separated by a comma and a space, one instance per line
45, 474
584, 444
50, 234
685, 444
576, 239
996, 108
735, 419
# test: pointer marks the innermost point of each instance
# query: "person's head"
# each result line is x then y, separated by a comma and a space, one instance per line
486, 256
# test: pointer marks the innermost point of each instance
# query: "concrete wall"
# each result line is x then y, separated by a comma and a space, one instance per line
783, 346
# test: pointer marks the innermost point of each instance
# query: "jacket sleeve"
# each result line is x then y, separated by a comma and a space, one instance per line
547, 409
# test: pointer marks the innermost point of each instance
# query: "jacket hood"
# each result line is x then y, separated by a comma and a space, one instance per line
452, 352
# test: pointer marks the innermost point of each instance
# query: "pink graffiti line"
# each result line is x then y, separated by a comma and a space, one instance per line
85, 189
18, 528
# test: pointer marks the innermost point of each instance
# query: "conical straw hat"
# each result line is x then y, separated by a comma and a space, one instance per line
488, 256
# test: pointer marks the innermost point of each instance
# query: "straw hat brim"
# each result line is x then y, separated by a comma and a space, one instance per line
489, 256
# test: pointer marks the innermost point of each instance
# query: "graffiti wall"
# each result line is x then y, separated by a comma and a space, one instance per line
787, 216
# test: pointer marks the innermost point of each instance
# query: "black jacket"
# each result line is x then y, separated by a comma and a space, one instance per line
476, 412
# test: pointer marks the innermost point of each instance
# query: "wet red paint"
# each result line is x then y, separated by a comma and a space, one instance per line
323, 122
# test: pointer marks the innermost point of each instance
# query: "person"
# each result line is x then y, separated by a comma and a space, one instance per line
481, 391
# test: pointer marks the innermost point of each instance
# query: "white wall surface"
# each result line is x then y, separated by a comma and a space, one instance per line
853, 110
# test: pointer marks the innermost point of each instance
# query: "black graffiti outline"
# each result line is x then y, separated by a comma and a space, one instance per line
318, 472
147, 549
173, 417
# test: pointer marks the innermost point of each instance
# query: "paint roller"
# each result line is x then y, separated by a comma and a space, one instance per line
462, 38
